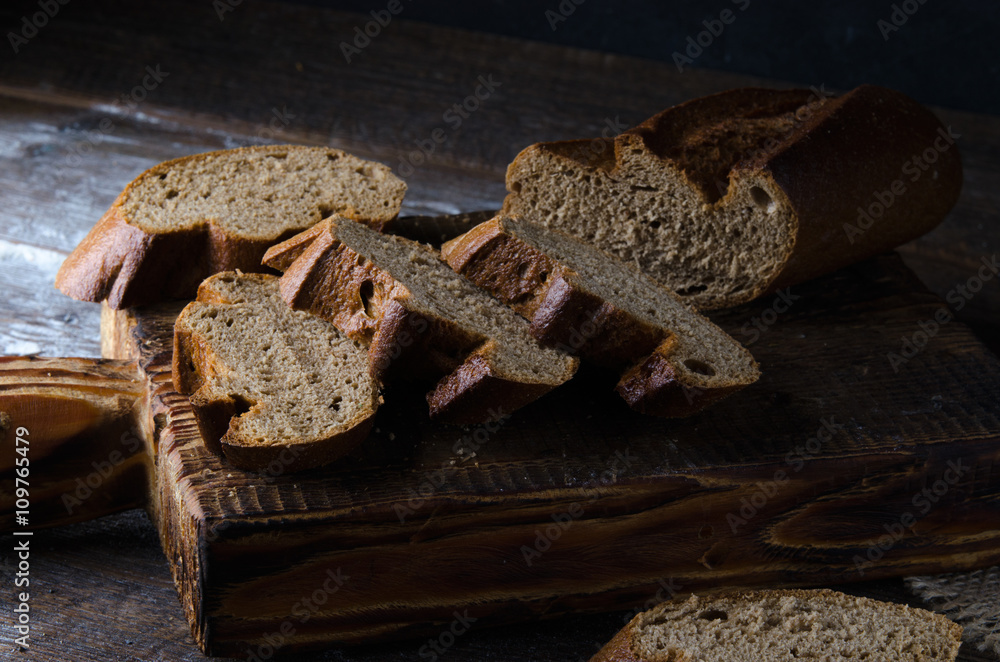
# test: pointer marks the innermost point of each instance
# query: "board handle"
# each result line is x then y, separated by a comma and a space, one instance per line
72, 446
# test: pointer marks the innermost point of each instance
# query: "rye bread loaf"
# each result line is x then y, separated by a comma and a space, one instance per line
729, 196
784, 625
583, 300
185, 219
419, 318
272, 388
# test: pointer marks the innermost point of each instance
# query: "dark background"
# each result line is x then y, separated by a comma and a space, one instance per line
945, 54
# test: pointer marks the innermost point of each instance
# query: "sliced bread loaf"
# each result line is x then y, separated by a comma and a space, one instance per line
186, 219
726, 197
419, 318
784, 625
583, 300
269, 385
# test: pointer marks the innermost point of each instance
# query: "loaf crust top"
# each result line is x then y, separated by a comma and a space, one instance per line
185, 219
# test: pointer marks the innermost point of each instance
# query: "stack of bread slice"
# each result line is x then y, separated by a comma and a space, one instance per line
708, 204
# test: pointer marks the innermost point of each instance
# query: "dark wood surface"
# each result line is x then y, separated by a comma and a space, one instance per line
104, 590
428, 520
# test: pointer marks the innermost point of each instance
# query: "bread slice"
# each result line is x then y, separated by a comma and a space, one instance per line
581, 299
727, 197
419, 318
186, 219
272, 389
784, 625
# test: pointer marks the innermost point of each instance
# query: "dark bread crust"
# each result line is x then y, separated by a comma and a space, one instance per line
857, 145
126, 266
823, 167
325, 277
543, 291
619, 649
565, 314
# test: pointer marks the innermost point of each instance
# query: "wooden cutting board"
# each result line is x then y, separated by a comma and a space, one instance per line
841, 464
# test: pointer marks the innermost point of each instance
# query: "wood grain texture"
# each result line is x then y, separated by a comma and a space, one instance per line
83, 456
59, 172
576, 504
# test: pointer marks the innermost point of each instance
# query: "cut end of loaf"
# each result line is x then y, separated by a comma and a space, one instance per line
669, 198
268, 383
728, 196
261, 193
789, 625
185, 219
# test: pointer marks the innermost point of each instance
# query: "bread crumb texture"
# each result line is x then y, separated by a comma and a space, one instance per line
791, 625
295, 377
261, 193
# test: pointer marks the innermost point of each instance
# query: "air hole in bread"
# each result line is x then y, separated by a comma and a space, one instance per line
762, 199
522, 270
240, 405
544, 276
692, 289
516, 187
276, 155
326, 211
365, 292
171, 194
714, 615
335, 405
641, 187
655, 225
699, 367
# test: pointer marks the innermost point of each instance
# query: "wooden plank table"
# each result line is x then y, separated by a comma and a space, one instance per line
108, 89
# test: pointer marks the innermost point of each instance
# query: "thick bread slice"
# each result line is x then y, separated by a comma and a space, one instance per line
784, 625
729, 196
269, 385
186, 219
419, 318
579, 298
